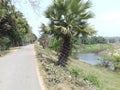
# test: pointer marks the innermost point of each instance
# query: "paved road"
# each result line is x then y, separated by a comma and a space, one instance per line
18, 70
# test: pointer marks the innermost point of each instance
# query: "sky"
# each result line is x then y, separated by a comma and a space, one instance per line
106, 19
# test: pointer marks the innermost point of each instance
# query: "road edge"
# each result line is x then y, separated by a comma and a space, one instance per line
40, 79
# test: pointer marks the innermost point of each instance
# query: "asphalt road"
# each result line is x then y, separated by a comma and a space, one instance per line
18, 70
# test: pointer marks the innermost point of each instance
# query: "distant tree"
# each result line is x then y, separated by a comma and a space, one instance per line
94, 40
112, 41
29, 37
44, 41
101, 40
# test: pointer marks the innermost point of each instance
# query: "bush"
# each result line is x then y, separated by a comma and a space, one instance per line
75, 71
55, 44
4, 43
116, 62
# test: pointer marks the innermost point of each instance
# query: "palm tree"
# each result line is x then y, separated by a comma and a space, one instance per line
68, 18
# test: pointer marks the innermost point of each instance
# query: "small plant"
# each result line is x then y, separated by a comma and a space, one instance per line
75, 72
94, 79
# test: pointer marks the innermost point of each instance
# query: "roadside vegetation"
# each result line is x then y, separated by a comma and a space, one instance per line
63, 78
76, 75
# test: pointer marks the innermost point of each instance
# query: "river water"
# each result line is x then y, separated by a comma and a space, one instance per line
90, 58
93, 59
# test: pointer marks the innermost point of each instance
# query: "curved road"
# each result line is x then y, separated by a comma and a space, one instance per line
18, 70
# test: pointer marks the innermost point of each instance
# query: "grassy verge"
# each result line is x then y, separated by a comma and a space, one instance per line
95, 48
76, 76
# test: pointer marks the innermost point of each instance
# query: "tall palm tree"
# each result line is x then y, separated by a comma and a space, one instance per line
68, 18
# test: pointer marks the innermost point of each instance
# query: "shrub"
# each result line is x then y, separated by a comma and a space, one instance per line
4, 43
75, 72
55, 44
116, 62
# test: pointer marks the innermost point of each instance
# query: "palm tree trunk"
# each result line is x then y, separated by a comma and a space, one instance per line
65, 51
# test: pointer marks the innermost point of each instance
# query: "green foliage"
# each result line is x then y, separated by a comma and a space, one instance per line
55, 44
116, 62
12, 25
112, 41
75, 72
94, 79
90, 77
100, 39
69, 17
93, 40
29, 38
4, 43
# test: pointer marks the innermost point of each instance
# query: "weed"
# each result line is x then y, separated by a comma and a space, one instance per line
94, 79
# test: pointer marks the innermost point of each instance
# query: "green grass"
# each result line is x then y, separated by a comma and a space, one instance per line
95, 48
76, 75
101, 77
86, 76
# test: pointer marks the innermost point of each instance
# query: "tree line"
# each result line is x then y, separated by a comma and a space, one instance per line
14, 28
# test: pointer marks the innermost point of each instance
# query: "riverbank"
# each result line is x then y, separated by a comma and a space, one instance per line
76, 76
112, 55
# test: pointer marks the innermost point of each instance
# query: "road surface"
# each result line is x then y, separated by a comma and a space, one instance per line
18, 70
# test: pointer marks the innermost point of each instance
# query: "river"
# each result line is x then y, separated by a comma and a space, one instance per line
93, 59
90, 58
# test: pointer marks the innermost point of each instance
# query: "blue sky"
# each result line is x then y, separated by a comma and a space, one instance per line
106, 20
